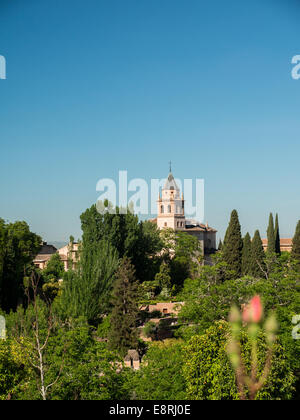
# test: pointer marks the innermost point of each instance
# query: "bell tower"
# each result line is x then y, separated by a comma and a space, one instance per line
170, 206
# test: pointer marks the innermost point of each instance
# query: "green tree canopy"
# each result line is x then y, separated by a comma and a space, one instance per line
208, 299
163, 278
86, 291
183, 253
54, 269
209, 375
123, 332
15, 368
271, 236
78, 366
246, 255
139, 241
233, 245
277, 236
18, 247
258, 266
296, 245
160, 376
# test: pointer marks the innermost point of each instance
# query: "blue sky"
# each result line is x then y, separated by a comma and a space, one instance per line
94, 87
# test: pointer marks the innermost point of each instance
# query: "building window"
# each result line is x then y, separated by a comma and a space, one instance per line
162, 209
169, 209
166, 224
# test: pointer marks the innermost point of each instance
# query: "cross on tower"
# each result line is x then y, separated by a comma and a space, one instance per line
170, 163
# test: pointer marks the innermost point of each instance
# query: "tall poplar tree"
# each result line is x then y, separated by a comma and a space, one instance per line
257, 256
296, 245
123, 332
139, 241
271, 235
87, 290
277, 236
246, 255
233, 245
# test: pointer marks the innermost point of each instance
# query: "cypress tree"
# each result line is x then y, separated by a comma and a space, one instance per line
163, 278
271, 235
296, 245
246, 255
233, 245
123, 333
277, 236
220, 245
257, 256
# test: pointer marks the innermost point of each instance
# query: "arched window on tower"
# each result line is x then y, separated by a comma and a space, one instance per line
169, 208
162, 209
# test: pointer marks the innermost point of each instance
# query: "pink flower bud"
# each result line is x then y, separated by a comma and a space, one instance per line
254, 311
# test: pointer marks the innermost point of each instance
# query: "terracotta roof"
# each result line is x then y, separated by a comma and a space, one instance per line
286, 241
200, 228
283, 241
195, 228
132, 354
42, 257
153, 220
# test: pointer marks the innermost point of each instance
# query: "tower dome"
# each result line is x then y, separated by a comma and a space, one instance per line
170, 183
170, 206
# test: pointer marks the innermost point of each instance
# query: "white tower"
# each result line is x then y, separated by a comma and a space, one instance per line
170, 206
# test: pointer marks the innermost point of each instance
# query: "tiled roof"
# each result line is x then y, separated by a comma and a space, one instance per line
47, 249
200, 228
283, 241
132, 354
286, 241
42, 257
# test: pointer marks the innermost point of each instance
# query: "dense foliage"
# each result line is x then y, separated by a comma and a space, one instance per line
296, 246
209, 375
123, 334
164, 362
68, 332
233, 245
86, 291
18, 247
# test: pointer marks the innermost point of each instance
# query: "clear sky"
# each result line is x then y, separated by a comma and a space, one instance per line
97, 86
